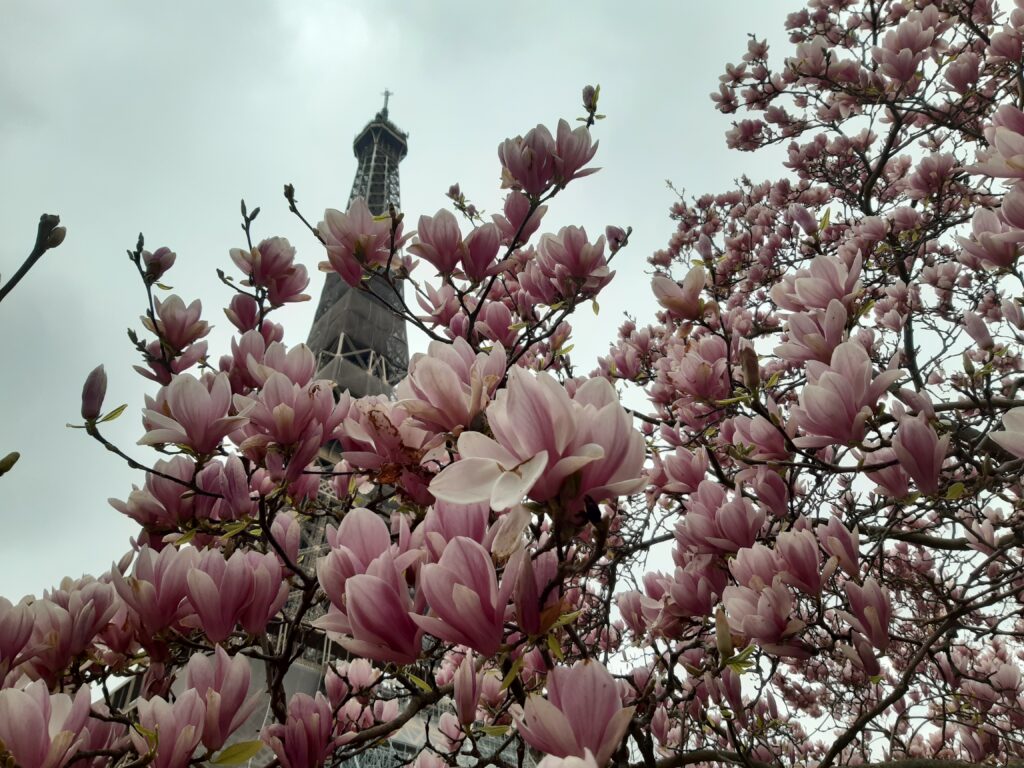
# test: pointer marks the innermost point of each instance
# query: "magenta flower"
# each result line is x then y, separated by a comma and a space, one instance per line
42, 730
541, 439
356, 239
271, 266
158, 262
15, 631
439, 241
481, 250
514, 222
801, 560
178, 728
178, 325
219, 589
158, 585
765, 617
198, 415
528, 162
448, 387
374, 621
839, 398
573, 150
467, 605
304, 740
583, 712
870, 611
920, 452
842, 544
467, 683
222, 682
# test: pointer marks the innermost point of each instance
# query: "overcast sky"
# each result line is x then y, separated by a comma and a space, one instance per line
128, 117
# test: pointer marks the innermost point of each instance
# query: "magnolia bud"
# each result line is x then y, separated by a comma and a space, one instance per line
8, 461
56, 237
93, 392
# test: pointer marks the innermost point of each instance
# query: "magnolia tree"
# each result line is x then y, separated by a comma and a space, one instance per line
827, 467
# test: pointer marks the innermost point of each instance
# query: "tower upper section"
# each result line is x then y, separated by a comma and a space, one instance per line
358, 341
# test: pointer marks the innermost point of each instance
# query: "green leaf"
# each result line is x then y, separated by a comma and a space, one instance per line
555, 647
164, 287
235, 528
595, 306
955, 491
512, 674
238, 753
189, 535
422, 684
568, 618
493, 730
113, 414
825, 219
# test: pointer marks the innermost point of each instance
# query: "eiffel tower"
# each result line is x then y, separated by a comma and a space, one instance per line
358, 341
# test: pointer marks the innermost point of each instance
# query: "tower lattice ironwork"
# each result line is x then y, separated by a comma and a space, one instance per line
359, 342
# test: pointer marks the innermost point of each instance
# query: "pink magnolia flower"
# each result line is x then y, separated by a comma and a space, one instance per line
478, 258
826, 279
683, 301
542, 437
178, 728
219, 589
839, 398
66, 622
842, 544
717, 524
573, 150
695, 588
42, 730
814, 335
870, 611
583, 712
222, 682
439, 241
375, 621
356, 239
920, 452
515, 221
528, 162
574, 265
178, 325
1012, 436
992, 242
158, 585
467, 605
1005, 158
198, 415
158, 262
765, 616
271, 266
16, 622
801, 560
449, 386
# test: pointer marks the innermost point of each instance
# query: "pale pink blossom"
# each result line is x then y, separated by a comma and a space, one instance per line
870, 611
222, 682
920, 452
42, 730
355, 240
582, 712
515, 221
683, 301
449, 386
439, 241
199, 416
178, 728
528, 162
271, 266
765, 616
304, 739
467, 606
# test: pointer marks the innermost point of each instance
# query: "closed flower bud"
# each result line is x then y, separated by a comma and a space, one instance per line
93, 392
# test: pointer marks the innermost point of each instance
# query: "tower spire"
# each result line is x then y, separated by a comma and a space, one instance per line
358, 341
